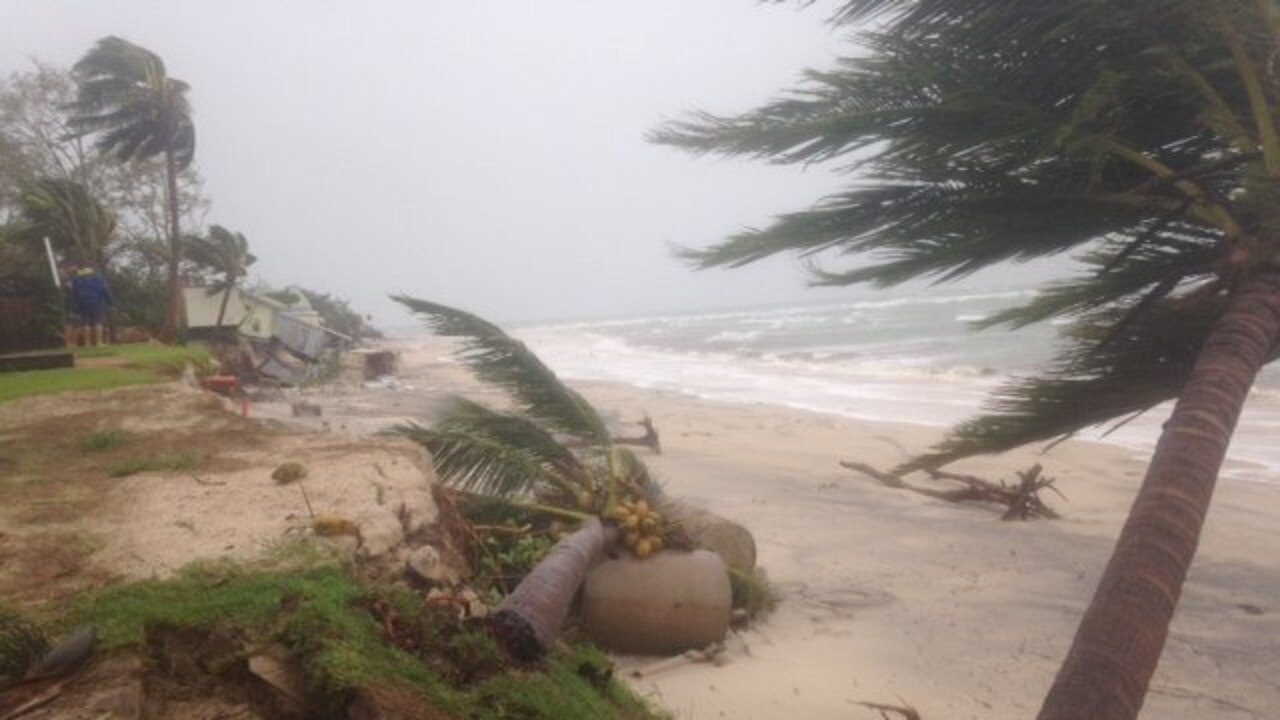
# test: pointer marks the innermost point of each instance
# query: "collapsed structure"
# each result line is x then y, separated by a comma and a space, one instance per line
282, 334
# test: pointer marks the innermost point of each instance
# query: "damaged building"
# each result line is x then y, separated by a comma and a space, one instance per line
288, 341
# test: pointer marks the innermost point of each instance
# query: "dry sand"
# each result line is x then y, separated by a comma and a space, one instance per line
66, 524
893, 597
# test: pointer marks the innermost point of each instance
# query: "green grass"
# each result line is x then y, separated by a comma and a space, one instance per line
164, 462
103, 440
144, 363
316, 607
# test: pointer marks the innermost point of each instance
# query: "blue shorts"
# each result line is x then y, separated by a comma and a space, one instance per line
92, 314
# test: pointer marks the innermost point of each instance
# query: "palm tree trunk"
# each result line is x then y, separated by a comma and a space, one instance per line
174, 311
529, 621
222, 309
1119, 641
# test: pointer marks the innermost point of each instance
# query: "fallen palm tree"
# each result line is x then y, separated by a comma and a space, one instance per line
529, 621
553, 454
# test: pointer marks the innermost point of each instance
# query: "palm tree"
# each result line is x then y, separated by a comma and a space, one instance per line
137, 111
66, 213
551, 454
224, 252
1142, 135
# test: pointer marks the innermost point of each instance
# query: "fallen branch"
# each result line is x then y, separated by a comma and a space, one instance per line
649, 439
1021, 500
710, 654
906, 711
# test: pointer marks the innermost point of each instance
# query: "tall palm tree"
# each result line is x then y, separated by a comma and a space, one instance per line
137, 111
73, 220
1141, 134
226, 253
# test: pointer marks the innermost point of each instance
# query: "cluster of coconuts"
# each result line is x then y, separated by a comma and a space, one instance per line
641, 527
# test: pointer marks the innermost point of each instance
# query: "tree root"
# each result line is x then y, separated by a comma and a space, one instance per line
1021, 499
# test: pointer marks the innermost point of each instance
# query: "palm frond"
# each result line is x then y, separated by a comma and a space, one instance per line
504, 361
1101, 377
67, 214
1135, 135
478, 463
222, 250
127, 99
468, 416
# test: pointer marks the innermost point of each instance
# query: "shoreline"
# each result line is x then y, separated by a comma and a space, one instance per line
1136, 437
889, 595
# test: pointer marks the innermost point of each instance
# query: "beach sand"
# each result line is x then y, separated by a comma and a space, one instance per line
896, 598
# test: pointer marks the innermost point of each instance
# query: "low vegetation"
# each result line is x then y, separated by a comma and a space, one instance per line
104, 368
101, 440
164, 462
349, 636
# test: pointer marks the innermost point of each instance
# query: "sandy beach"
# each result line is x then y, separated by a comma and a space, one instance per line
892, 597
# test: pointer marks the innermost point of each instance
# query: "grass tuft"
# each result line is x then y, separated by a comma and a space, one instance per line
289, 472
164, 462
103, 440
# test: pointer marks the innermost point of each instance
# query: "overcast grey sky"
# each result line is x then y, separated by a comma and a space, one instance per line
489, 155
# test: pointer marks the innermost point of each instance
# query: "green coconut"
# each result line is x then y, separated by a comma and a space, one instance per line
22, 644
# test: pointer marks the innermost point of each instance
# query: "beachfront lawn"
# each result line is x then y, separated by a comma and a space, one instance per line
103, 368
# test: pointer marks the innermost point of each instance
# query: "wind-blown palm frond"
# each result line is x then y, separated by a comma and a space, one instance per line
223, 251
499, 454
1090, 384
466, 416
67, 214
478, 463
502, 360
1138, 135
134, 107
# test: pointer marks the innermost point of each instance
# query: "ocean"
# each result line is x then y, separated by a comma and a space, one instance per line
893, 356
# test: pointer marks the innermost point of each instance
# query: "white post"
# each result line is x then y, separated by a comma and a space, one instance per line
53, 266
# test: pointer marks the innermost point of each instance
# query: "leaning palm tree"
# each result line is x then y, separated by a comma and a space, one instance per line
1142, 135
550, 453
137, 112
69, 216
227, 253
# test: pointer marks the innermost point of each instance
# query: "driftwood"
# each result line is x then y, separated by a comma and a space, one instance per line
1021, 499
713, 653
649, 439
905, 711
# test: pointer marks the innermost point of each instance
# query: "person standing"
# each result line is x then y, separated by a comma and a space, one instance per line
92, 300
